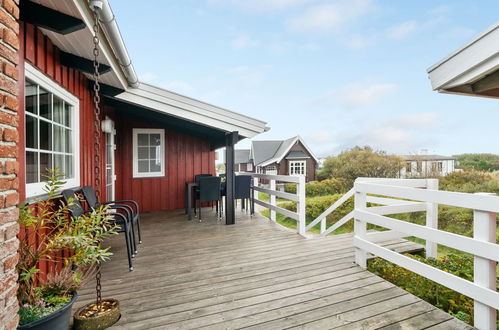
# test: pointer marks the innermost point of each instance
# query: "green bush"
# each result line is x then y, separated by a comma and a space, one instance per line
470, 182
321, 188
317, 205
438, 295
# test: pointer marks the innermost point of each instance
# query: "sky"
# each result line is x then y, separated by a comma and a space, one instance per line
339, 73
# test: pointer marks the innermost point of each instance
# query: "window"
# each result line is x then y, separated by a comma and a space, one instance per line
148, 152
297, 167
272, 170
440, 166
408, 167
249, 167
51, 126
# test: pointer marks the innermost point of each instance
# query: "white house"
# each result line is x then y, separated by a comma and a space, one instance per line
427, 165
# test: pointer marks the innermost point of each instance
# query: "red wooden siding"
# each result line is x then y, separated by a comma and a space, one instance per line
185, 156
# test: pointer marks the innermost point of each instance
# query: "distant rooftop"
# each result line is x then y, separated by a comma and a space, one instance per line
427, 157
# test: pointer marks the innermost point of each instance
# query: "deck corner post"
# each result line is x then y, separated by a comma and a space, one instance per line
272, 200
431, 219
230, 141
484, 229
301, 207
360, 228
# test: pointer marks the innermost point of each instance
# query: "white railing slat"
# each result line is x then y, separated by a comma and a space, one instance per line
470, 201
338, 224
330, 209
288, 213
466, 244
383, 236
483, 295
281, 194
282, 178
387, 201
397, 209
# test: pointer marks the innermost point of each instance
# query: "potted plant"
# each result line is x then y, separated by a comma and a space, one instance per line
50, 232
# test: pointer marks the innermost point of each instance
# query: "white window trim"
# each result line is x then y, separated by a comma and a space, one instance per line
304, 162
249, 167
161, 133
38, 77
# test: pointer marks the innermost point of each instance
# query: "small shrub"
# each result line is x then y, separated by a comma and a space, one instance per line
438, 295
321, 188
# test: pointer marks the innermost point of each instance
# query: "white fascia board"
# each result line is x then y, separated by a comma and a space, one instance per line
468, 64
297, 138
105, 49
193, 110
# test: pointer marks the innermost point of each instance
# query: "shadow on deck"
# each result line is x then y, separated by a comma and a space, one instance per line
252, 274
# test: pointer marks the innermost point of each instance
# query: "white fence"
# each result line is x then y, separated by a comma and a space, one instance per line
299, 197
404, 196
412, 198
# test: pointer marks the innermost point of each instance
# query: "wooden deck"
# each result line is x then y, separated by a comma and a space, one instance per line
254, 274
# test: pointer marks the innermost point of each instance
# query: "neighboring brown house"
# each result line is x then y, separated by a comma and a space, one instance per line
284, 157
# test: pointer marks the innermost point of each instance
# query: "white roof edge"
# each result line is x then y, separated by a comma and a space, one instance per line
463, 47
476, 59
190, 109
279, 159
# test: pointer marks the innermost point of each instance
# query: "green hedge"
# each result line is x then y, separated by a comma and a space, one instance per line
321, 188
438, 295
317, 205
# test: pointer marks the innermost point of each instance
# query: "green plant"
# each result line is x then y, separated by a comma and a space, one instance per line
50, 232
321, 188
438, 295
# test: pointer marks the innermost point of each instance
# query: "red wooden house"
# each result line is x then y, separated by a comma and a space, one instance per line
152, 140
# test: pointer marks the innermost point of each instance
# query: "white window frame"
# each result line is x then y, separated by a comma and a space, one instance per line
271, 170
136, 132
39, 78
291, 163
249, 167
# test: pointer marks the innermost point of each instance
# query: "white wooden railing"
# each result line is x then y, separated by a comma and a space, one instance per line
398, 196
299, 197
411, 198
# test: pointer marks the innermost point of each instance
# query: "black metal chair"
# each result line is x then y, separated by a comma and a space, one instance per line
243, 190
124, 224
197, 177
209, 191
133, 212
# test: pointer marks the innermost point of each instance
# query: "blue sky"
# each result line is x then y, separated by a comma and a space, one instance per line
339, 73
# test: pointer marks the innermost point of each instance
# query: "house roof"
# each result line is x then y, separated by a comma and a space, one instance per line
473, 69
427, 157
242, 156
268, 152
297, 155
145, 96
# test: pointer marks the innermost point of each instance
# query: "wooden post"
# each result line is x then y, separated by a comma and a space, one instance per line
360, 228
431, 219
230, 141
272, 201
301, 206
484, 229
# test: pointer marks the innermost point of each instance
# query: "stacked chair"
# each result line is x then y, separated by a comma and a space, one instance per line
124, 215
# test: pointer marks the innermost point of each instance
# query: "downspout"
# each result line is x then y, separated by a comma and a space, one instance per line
108, 22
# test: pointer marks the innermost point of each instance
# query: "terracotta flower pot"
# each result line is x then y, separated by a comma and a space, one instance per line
102, 320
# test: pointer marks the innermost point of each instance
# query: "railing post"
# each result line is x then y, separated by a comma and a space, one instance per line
255, 194
431, 219
323, 225
272, 201
301, 206
484, 229
360, 228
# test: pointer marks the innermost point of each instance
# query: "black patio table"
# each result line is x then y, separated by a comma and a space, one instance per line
189, 187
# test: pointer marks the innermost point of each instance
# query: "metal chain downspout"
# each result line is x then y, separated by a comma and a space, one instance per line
97, 148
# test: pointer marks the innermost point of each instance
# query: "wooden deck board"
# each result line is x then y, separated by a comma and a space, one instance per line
254, 274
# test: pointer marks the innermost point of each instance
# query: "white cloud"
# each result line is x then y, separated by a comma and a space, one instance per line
244, 42
420, 121
358, 94
402, 30
319, 137
330, 17
260, 6
250, 75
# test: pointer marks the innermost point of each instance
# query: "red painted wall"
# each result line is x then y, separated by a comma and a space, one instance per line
185, 155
